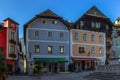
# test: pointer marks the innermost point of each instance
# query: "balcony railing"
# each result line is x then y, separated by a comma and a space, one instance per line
12, 55
13, 41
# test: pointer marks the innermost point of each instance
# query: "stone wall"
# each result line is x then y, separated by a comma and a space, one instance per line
108, 68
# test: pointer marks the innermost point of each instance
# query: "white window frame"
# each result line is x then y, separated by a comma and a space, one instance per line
62, 49
92, 50
76, 35
37, 50
14, 37
84, 37
50, 49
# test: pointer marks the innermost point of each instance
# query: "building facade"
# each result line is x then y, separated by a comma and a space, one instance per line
95, 20
115, 49
47, 42
88, 49
9, 41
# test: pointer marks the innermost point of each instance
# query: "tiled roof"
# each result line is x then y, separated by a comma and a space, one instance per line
94, 11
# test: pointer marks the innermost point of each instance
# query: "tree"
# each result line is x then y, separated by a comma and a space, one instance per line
3, 66
37, 67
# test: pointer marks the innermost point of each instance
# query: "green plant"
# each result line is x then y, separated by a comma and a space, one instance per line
3, 66
37, 67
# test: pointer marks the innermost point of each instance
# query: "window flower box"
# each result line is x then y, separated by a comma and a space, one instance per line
12, 55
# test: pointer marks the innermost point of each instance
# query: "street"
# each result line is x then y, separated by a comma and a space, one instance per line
57, 76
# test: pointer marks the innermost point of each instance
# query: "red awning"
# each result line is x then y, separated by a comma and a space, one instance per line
85, 59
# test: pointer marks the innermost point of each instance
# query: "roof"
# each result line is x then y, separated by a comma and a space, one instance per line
94, 11
1, 26
11, 20
117, 22
48, 13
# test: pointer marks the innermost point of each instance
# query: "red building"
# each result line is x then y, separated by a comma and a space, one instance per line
9, 41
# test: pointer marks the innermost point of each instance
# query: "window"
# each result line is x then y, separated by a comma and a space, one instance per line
92, 50
100, 50
50, 49
95, 24
54, 22
81, 23
49, 34
84, 37
81, 49
12, 48
92, 37
76, 36
61, 49
61, 34
92, 24
12, 35
37, 48
43, 21
98, 24
12, 25
100, 38
107, 27
36, 33
95, 12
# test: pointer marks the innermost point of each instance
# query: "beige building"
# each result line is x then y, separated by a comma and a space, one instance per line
88, 48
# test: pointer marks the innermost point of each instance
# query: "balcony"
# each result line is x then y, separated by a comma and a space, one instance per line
12, 55
12, 41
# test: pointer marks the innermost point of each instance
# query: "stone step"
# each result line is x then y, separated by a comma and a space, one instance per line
103, 76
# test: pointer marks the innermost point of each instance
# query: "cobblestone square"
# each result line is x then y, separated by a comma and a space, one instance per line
57, 76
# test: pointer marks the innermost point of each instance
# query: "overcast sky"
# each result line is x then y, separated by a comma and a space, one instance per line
23, 10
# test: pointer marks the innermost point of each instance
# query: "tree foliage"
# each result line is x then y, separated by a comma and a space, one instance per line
37, 67
3, 66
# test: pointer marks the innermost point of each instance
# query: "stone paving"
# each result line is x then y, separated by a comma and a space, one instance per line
57, 76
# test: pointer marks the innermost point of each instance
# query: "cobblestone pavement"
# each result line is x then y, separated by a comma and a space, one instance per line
57, 76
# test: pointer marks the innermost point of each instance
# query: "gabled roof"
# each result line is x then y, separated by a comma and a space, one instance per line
11, 20
48, 13
94, 11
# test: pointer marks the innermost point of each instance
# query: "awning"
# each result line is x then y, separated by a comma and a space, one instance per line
85, 59
51, 60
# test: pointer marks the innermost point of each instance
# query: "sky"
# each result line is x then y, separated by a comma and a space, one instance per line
22, 11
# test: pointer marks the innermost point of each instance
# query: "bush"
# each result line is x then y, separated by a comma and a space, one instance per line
37, 67
3, 66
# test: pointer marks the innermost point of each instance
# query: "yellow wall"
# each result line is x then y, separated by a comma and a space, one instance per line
88, 43
89, 33
75, 52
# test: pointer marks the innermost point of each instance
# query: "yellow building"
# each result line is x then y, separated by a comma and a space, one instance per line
88, 48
